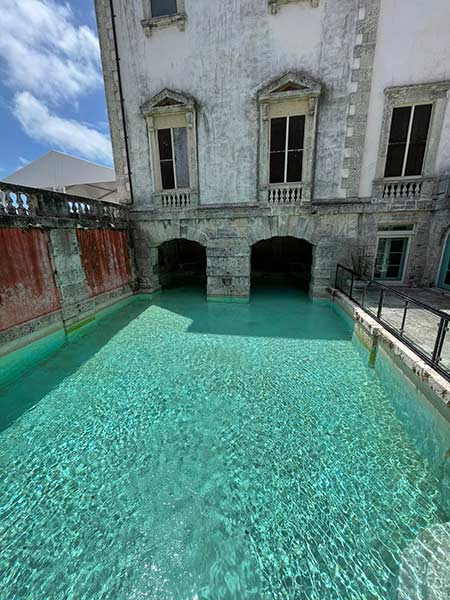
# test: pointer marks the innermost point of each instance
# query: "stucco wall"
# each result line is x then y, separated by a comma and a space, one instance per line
228, 50
413, 46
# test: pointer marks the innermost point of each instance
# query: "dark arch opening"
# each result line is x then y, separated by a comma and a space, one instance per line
181, 262
282, 259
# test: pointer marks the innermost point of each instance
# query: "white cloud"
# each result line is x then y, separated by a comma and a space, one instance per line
66, 134
42, 50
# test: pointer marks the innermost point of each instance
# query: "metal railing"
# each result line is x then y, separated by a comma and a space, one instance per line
419, 326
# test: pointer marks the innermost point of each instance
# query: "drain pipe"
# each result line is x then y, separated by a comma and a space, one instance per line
122, 101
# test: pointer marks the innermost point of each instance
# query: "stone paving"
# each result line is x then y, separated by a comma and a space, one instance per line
420, 326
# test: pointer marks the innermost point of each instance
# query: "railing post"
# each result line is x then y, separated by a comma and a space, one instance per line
380, 304
402, 327
440, 337
336, 277
351, 287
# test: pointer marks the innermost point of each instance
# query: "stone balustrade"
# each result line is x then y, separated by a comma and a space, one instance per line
285, 193
182, 198
21, 201
404, 188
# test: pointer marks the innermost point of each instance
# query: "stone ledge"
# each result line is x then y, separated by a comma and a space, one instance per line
151, 23
421, 375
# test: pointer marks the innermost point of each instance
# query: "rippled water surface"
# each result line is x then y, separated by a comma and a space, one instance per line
186, 450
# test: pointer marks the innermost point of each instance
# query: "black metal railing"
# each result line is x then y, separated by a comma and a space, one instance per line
419, 326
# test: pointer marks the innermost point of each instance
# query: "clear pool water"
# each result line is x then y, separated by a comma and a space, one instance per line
189, 450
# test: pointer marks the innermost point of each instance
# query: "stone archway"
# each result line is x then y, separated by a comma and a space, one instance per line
284, 259
181, 261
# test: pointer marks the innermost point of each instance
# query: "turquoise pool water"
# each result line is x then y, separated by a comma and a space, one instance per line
186, 450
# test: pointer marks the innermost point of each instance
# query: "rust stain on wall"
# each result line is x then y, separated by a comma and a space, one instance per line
27, 284
105, 259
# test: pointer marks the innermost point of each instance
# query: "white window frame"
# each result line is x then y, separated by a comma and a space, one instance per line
169, 110
173, 160
300, 97
286, 148
390, 234
408, 140
413, 95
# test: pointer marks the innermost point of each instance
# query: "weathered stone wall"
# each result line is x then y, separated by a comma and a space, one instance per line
221, 55
228, 240
105, 259
27, 284
62, 260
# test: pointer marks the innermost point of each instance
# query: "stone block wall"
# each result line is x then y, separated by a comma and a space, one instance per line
62, 261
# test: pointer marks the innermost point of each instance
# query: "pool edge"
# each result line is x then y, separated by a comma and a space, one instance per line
375, 338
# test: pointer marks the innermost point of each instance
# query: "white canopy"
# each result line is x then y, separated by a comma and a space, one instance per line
60, 172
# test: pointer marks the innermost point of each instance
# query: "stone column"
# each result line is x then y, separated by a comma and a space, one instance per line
146, 260
228, 270
69, 275
323, 269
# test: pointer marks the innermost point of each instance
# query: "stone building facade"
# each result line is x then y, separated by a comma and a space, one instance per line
237, 121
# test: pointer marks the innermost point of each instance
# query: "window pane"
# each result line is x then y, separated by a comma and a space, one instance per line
167, 176
181, 156
390, 258
400, 124
165, 144
394, 160
447, 277
397, 141
414, 162
418, 139
277, 167
296, 133
161, 8
294, 166
278, 134
378, 272
421, 123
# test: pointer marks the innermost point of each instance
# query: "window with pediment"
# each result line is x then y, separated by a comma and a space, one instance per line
288, 115
171, 126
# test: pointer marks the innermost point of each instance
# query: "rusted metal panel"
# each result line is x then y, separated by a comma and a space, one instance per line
27, 284
105, 259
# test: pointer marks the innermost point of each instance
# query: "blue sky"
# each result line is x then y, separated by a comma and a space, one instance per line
51, 87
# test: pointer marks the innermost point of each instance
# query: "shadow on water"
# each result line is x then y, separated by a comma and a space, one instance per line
274, 311
22, 394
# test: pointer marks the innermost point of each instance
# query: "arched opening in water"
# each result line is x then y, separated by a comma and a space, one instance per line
181, 262
284, 259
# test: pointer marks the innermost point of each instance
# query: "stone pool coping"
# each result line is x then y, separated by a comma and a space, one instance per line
375, 337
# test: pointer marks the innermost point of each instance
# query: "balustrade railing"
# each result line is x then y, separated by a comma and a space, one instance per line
285, 193
419, 326
403, 189
21, 201
181, 198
